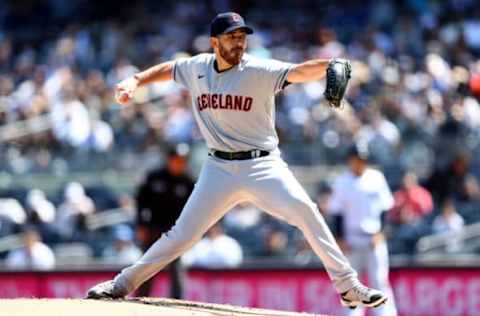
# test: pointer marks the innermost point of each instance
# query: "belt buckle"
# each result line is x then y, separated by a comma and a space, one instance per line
255, 153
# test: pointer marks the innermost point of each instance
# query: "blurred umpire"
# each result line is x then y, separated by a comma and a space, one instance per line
160, 200
358, 204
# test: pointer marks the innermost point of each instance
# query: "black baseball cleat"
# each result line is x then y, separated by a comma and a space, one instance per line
361, 295
104, 290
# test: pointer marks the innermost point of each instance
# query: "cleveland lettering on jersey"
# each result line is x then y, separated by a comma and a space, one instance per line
224, 102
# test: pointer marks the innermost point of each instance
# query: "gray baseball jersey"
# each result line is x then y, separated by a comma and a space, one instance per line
235, 109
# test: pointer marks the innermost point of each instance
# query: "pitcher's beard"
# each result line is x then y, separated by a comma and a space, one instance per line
232, 57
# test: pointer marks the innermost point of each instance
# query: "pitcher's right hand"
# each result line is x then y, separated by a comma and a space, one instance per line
124, 90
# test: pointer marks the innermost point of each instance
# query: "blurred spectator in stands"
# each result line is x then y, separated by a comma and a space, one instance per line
126, 205
275, 245
179, 123
39, 208
12, 216
451, 180
121, 70
13, 211
101, 138
71, 121
215, 250
41, 213
471, 189
160, 200
243, 216
329, 46
412, 202
409, 215
304, 255
5, 53
33, 255
381, 135
7, 226
244, 223
71, 214
448, 221
123, 251
474, 82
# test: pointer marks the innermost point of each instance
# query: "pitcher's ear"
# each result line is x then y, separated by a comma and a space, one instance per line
214, 41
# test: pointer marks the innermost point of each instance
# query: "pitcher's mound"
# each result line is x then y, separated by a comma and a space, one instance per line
128, 307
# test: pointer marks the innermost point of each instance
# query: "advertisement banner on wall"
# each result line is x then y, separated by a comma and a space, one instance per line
418, 292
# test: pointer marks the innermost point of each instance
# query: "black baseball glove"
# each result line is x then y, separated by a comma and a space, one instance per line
338, 74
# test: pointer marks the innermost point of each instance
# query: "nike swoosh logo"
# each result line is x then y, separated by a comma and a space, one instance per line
201, 76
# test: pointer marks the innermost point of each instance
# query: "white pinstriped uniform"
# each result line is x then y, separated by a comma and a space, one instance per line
361, 200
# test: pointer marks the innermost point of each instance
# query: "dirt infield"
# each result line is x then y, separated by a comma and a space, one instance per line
129, 307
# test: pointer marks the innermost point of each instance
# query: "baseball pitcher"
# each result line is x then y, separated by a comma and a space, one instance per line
233, 104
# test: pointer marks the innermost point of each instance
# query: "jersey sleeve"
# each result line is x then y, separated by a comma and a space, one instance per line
183, 71
275, 74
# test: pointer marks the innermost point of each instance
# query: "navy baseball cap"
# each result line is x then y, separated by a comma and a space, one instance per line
227, 22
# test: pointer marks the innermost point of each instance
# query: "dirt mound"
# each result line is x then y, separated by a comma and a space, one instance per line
128, 307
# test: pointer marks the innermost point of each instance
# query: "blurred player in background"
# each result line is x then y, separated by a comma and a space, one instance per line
160, 201
359, 201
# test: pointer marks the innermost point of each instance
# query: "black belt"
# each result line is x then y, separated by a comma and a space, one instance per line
240, 155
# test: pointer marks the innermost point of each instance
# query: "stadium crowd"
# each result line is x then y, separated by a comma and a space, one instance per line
413, 99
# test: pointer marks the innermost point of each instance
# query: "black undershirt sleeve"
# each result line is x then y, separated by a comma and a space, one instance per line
285, 84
